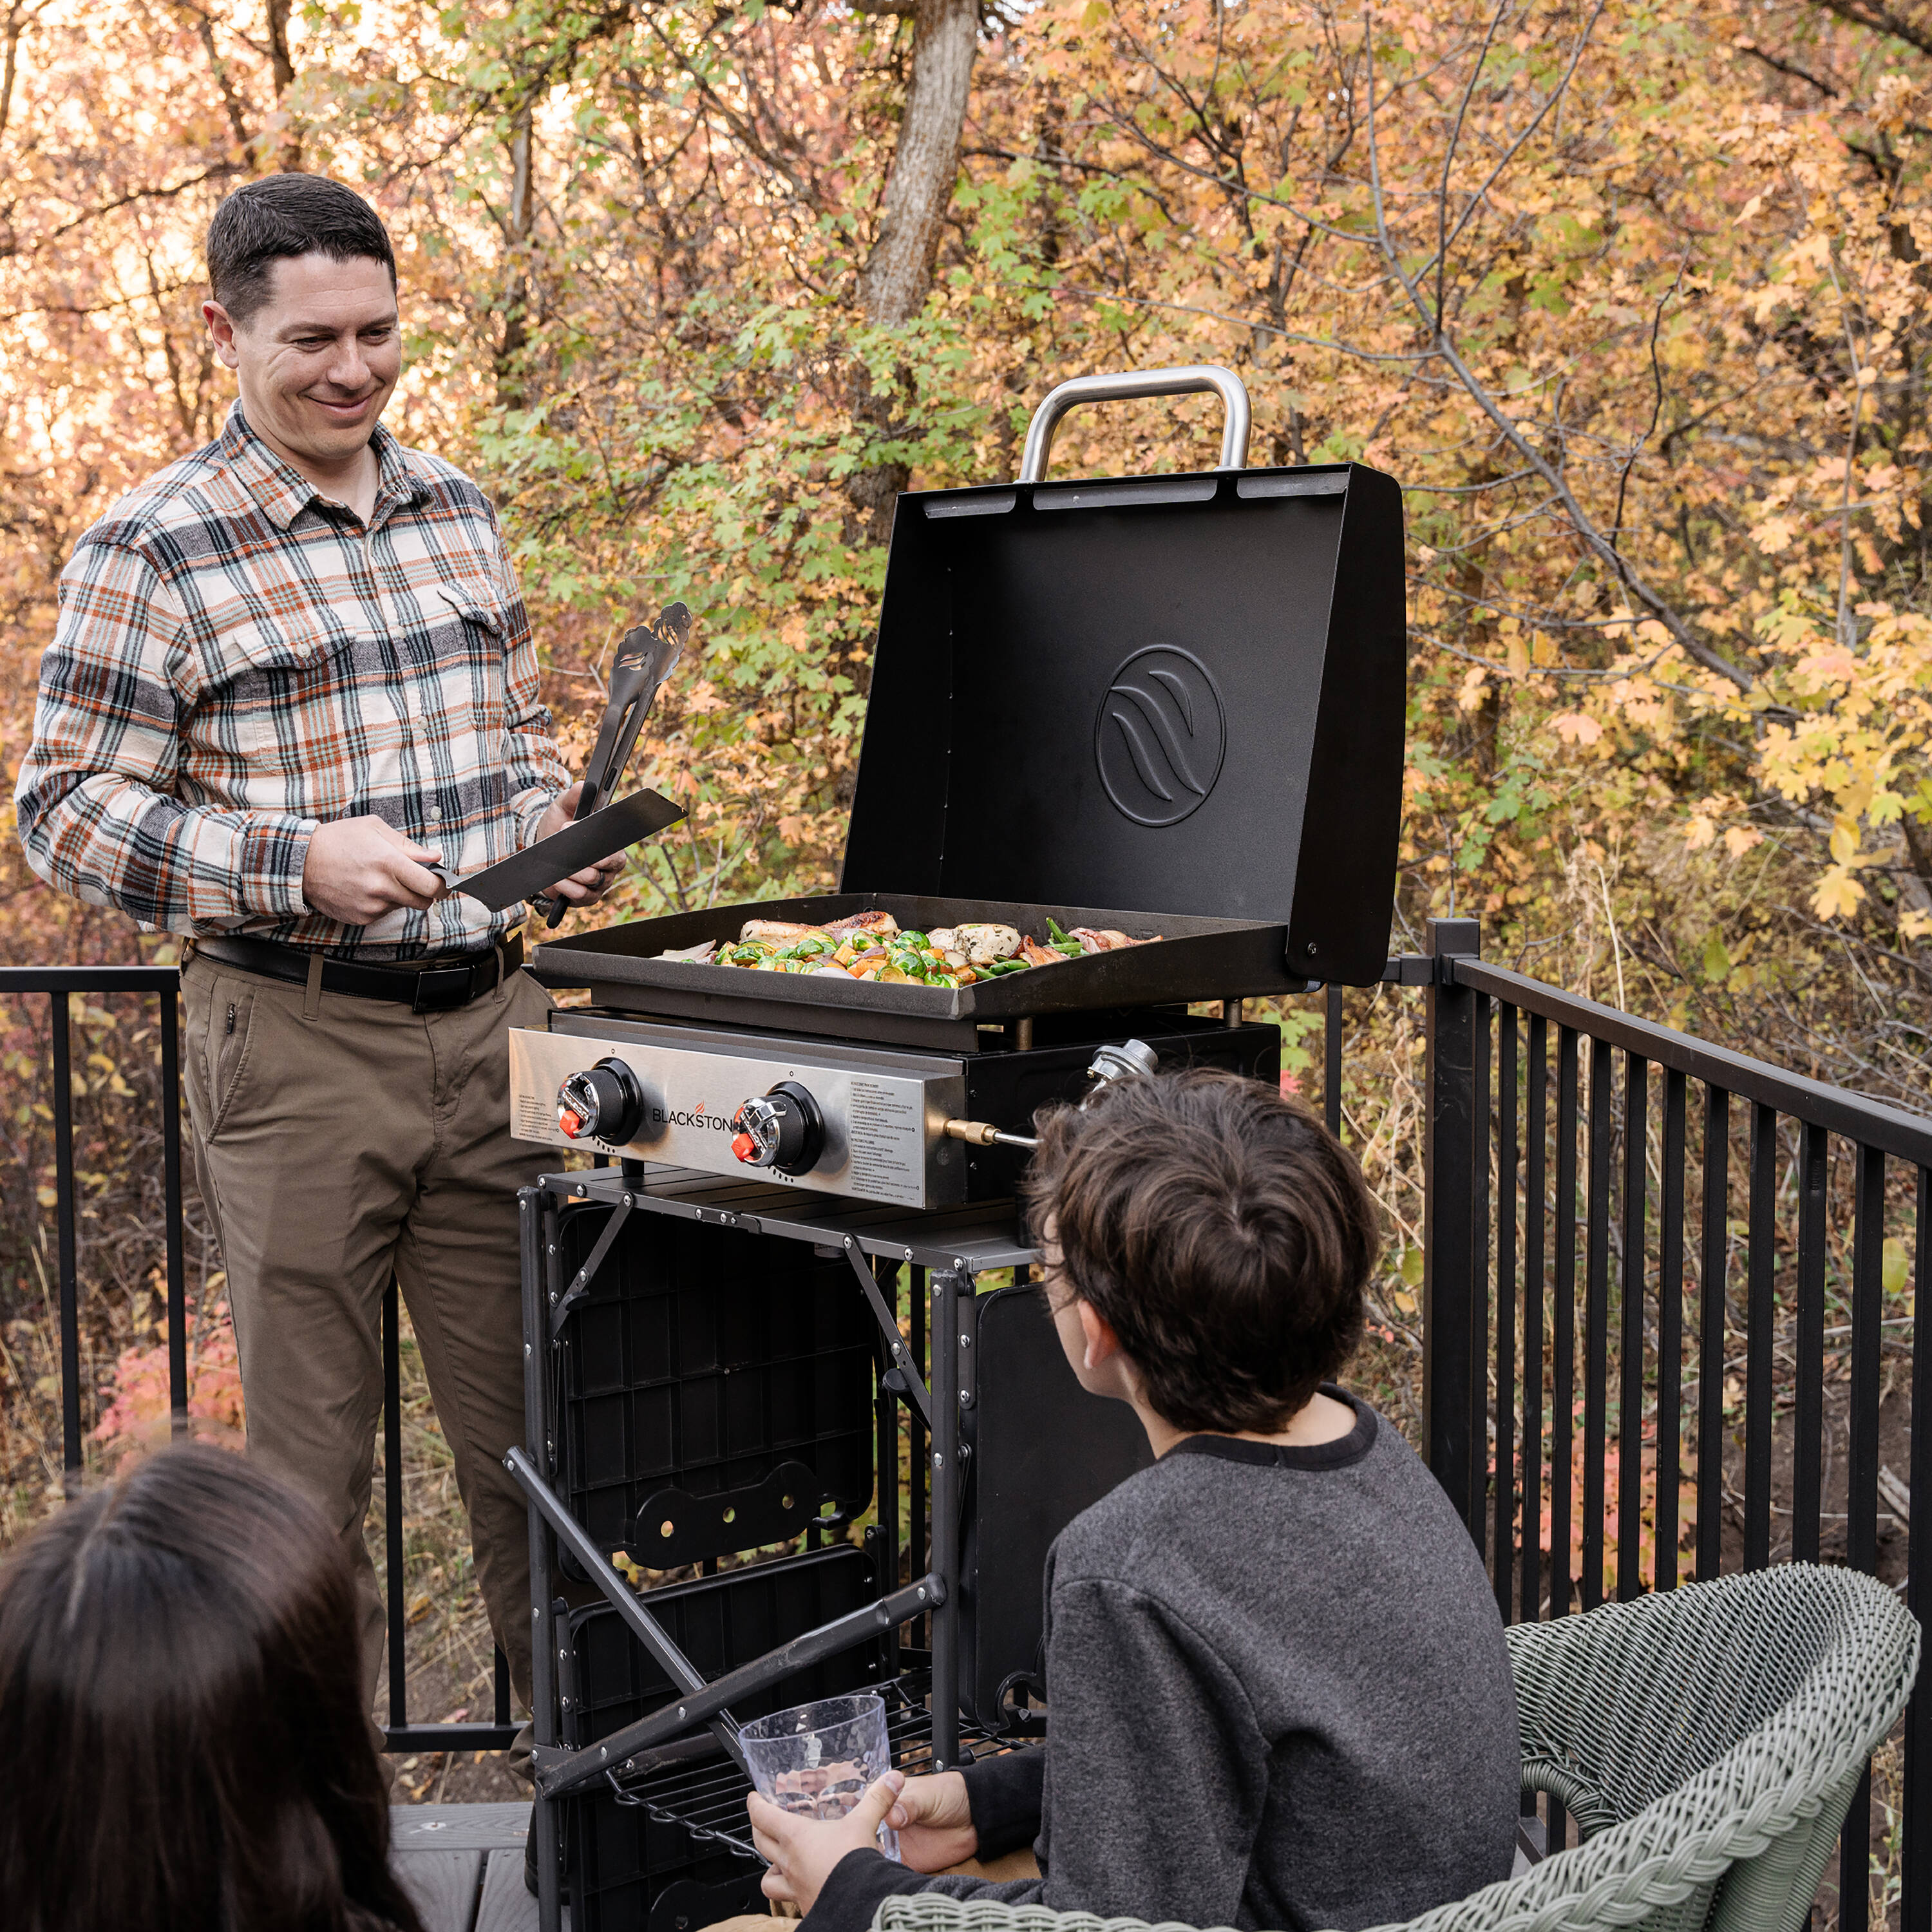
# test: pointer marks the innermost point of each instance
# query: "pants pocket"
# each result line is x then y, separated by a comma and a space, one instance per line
226, 1057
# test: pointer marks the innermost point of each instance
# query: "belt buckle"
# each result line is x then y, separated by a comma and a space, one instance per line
439, 989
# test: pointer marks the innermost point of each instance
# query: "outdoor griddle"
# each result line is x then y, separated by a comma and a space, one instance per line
1170, 705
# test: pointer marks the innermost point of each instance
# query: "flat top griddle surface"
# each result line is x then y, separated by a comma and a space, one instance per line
1196, 958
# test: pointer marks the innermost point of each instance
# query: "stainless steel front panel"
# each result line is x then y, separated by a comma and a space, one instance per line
884, 1114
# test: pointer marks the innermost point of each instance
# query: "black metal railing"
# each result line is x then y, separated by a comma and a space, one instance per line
61, 984
1522, 1182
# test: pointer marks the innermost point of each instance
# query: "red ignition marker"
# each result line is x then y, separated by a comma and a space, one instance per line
743, 1146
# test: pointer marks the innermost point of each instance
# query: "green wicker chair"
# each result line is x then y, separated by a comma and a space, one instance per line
1708, 1742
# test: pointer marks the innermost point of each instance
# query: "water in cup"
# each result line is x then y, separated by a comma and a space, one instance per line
817, 1759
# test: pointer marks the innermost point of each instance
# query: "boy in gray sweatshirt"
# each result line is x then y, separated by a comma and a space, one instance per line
1278, 1693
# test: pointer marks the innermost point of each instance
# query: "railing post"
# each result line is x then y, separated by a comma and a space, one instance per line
69, 1259
1453, 1367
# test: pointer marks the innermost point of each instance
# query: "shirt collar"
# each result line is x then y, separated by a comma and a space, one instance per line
283, 493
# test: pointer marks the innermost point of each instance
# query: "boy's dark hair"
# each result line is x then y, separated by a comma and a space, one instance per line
278, 217
1224, 1234
181, 1690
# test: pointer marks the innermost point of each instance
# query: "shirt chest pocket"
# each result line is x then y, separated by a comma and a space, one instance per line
469, 644
304, 700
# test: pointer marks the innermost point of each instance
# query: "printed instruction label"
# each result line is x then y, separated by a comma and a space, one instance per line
885, 1128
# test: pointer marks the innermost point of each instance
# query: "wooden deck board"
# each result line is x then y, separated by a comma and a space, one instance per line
451, 1827
506, 1905
443, 1886
463, 1865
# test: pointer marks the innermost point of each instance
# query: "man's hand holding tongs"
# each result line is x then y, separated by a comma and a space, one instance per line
585, 887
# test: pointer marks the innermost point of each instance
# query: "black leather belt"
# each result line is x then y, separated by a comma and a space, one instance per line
436, 986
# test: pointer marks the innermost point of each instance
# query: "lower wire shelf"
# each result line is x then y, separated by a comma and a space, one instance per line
706, 1797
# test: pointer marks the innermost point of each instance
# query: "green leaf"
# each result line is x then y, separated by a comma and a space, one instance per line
1896, 1268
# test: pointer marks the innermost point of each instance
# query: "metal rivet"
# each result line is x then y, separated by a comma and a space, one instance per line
628, 1202
965, 1341
921, 1593
1312, 948
938, 1460
680, 1710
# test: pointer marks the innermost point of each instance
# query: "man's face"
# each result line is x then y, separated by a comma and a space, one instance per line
320, 358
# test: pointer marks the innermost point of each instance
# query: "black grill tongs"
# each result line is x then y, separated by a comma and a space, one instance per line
645, 657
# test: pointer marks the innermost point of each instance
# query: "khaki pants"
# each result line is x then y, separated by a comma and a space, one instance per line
340, 1141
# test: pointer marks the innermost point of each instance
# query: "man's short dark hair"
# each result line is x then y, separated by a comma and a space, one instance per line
1224, 1234
282, 216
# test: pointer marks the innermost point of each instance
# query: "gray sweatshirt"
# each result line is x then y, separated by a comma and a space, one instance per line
1278, 1696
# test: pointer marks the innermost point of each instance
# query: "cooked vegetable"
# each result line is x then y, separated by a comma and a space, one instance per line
870, 945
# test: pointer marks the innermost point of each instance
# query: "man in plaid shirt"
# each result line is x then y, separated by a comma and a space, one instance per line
291, 673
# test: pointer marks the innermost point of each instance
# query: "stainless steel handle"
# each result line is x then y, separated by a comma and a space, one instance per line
1190, 379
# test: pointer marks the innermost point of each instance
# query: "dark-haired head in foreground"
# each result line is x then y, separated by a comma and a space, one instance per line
179, 1692
1222, 1234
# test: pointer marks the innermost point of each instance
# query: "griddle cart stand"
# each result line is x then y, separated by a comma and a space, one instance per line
1171, 705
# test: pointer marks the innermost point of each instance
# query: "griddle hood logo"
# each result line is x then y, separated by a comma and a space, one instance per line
1160, 737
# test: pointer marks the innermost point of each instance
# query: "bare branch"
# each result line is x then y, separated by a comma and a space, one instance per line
1880, 19
1480, 394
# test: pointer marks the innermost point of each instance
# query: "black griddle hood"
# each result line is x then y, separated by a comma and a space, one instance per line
1172, 704
1174, 695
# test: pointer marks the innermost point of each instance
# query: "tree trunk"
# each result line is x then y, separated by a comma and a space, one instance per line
288, 153
510, 387
897, 273
919, 190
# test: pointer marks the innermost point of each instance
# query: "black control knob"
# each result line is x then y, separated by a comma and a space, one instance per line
782, 1129
606, 1102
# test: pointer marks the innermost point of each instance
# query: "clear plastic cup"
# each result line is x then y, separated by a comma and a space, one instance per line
817, 1759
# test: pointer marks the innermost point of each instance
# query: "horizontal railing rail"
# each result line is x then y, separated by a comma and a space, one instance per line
1836, 1110
60, 984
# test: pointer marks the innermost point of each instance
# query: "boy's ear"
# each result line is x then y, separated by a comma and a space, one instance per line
1102, 1344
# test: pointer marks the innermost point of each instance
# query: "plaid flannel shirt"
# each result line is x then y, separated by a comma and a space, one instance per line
237, 660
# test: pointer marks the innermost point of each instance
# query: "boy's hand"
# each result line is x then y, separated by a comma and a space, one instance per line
935, 1823
802, 1852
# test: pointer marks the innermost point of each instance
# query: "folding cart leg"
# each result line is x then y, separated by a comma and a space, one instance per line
536, 1223
947, 1285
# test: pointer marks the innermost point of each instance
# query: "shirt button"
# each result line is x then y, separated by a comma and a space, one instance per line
435, 812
